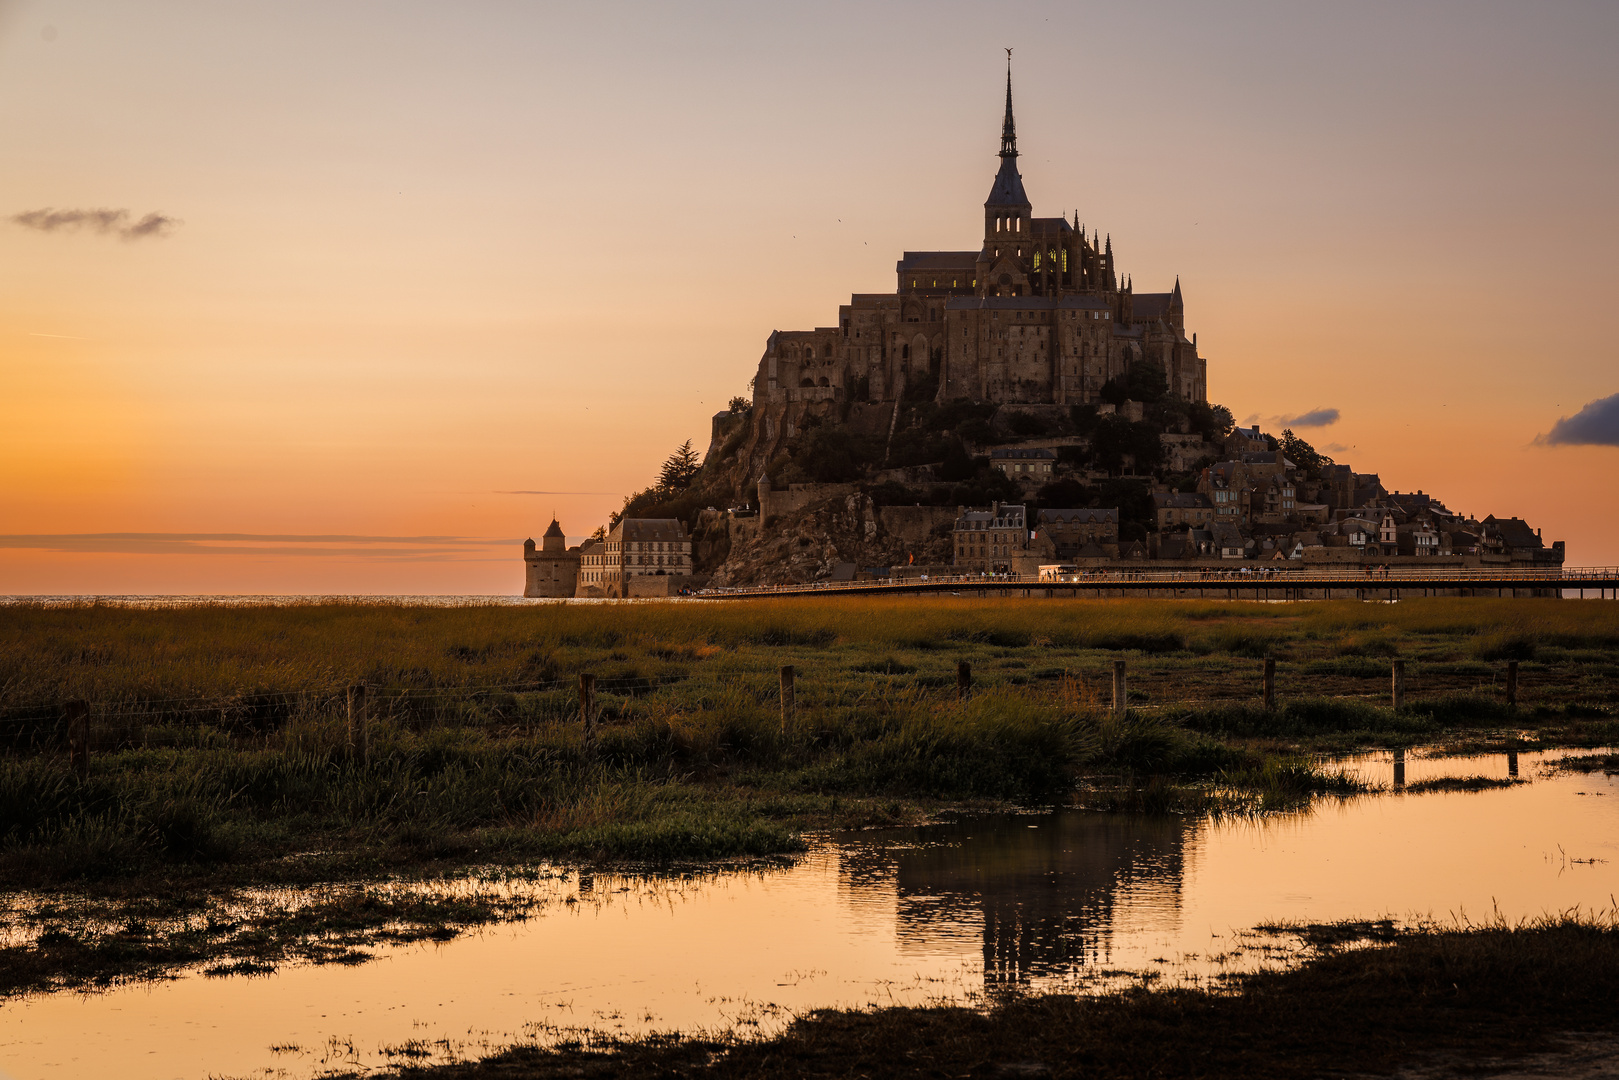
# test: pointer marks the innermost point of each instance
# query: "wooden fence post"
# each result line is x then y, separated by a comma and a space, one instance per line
787, 695
1270, 683
1398, 684
359, 725
964, 680
587, 707
77, 715
1119, 691
1512, 684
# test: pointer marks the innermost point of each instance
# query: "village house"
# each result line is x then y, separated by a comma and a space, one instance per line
1177, 508
990, 540
1024, 465
1080, 534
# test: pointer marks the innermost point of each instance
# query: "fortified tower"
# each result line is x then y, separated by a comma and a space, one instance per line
552, 570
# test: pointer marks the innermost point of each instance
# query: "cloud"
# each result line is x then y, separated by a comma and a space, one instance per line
556, 493
1336, 448
1595, 425
120, 223
1321, 416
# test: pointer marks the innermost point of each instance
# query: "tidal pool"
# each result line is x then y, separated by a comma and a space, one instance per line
950, 911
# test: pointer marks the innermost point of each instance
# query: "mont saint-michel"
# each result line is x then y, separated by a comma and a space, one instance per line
1010, 406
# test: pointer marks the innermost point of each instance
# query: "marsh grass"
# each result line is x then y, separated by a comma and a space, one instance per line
220, 738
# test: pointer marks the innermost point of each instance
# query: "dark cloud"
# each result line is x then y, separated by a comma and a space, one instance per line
1595, 425
1317, 417
120, 223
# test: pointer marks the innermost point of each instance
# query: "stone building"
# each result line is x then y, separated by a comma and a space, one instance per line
636, 548
552, 569
1080, 534
1037, 313
991, 539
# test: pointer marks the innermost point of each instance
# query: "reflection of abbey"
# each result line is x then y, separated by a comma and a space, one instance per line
1036, 314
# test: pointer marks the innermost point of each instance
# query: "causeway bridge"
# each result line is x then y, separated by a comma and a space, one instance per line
1245, 583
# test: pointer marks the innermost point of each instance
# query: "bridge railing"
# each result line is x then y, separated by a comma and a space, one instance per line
1567, 577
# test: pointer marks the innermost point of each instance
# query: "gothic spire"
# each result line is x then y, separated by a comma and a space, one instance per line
1006, 193
1008, 128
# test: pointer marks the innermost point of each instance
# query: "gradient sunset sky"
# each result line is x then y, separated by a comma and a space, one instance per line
349, 297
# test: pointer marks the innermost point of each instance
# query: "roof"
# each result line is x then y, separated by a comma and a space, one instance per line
1026, 303
938, 260
555, 529
1010, 516
1176, 500
1015, 454
1148, 306
1007, 190
636, 530
1109, 516
1515, 532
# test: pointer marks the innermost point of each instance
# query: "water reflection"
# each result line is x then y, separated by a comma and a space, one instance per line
1039, 892
902, 916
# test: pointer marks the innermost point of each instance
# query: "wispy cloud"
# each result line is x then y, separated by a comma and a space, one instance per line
120, 223
1321, 416
556, 493
311, 545
1595, 425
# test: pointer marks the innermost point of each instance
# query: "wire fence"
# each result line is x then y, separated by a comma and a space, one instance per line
125, 721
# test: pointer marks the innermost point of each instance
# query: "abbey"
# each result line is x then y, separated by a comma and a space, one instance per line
1037, 314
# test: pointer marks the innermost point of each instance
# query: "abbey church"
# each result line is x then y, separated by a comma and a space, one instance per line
1036, 315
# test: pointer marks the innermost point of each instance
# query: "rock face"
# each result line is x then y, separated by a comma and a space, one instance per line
810, 544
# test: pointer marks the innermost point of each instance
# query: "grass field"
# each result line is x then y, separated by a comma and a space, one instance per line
220, 754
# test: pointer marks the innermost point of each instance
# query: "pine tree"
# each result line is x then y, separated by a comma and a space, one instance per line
680, 468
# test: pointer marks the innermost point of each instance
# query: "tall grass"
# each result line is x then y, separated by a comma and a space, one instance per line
243, 658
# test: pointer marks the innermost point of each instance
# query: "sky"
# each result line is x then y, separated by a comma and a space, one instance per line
351, 298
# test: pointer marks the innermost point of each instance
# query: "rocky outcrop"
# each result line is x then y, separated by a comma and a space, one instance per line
810, 544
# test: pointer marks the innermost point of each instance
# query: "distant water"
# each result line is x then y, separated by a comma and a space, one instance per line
293, 600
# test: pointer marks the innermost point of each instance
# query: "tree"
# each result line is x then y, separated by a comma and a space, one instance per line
739, 404
679, 469
1213, 422
1144, 382
1303, 454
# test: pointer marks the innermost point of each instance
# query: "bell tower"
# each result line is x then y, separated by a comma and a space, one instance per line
1006, 211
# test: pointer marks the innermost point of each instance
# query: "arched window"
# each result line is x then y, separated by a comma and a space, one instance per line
904, 352
828, 350
1037, 258
1065, 260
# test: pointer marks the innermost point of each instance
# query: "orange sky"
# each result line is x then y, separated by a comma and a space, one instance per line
424, 255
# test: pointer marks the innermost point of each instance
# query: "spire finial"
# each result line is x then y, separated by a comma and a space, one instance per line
1008, 128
